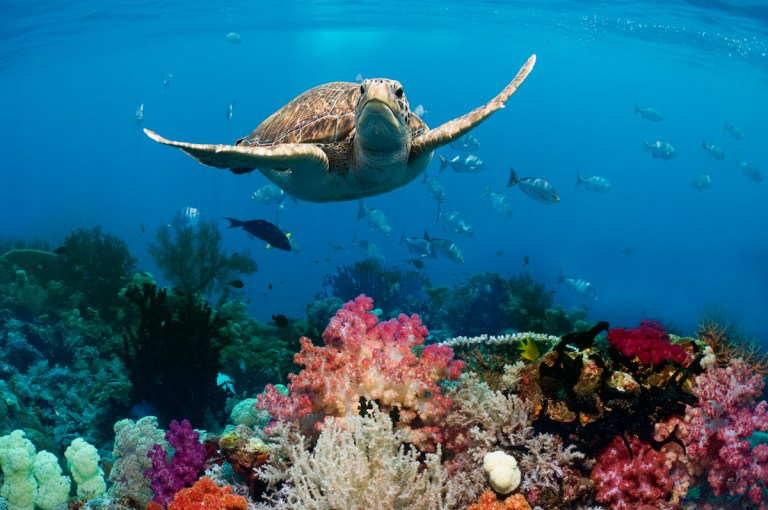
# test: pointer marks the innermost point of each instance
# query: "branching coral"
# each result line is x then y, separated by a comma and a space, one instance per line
192, 259
361, 462
363, 358
727, 345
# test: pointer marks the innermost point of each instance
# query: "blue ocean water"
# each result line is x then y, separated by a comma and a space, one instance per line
73, 75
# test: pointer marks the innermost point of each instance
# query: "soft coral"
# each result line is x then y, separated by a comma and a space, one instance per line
649, 343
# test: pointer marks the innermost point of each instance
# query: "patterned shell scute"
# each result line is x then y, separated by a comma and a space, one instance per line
322, 115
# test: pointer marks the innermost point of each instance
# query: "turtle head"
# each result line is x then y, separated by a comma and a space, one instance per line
382, 116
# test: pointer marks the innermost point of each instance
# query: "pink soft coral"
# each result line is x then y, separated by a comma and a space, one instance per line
647, 479
363, 357
720, 428
649, 343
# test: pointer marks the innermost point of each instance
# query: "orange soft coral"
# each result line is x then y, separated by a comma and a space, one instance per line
488, 501
206, 495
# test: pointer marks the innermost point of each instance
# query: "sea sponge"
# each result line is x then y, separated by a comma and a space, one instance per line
502, 471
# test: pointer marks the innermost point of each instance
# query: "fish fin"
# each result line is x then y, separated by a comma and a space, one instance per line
300, 158
456, 128
704, 144
579, 180
443, 162
513, 178
426, 236
487, 190
402, 237
361, 211
234, 223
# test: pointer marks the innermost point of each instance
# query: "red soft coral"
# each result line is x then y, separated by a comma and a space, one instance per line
206, 495
365, 358
649, 343
649, 478
720, 428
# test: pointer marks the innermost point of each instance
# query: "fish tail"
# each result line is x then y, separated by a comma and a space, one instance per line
561, 279
234, 223
402, 237
579, 180
513, 179
361, 211
646, 145
487, 190
637, 108
443, 162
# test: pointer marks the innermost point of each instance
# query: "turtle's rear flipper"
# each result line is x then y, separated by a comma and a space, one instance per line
456, 128
242, 159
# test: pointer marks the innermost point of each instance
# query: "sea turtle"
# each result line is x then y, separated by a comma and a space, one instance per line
343, 141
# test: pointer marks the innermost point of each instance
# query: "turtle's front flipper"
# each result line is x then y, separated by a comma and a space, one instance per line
241, 159
455, 129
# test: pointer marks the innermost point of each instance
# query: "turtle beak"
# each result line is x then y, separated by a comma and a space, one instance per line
377, 105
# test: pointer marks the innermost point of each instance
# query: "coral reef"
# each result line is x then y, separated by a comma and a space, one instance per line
363, 462
185, 467
192, 259
364, 360
173, 354
720, 427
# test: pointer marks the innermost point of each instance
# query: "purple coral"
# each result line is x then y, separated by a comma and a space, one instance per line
185, 466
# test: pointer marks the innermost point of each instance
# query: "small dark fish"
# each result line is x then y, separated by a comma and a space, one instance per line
417, 263
649, 113
141, 227
238, 284
628, 251
280, 320
269, 286
499, 253
264, 230
525, 260
60, 250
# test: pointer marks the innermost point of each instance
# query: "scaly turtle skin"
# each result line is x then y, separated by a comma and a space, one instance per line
343, 141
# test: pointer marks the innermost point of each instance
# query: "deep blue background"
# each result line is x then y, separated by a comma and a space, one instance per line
73, 76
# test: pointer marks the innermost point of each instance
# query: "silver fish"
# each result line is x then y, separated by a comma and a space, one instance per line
594, 183
660, 149
713, 150
578, 286
377, 220
468, 164
535, 187
230, 110
421, 111
166, 82
186, 217
701, 182
140, 114
466, 143
435, 190
420, 246
359, 78
454, 222
649, 113
233, 38
734, 131
750, 170
370, 250
500, 201
447, 249
269, 194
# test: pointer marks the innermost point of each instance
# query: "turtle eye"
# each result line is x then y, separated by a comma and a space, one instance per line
399, 92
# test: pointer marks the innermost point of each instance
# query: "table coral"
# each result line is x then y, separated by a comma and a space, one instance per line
363, 360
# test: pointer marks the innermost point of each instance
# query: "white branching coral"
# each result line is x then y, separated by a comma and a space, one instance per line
515, 338
358, 463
